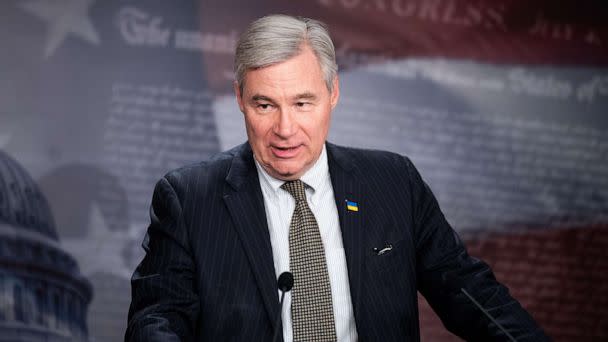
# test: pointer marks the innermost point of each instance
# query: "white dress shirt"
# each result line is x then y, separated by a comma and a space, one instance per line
279, 206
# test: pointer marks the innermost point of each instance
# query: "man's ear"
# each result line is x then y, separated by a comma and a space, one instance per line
239, 96
335, 93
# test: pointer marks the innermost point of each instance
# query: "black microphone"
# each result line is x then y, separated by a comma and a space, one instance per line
487, 314
285, 283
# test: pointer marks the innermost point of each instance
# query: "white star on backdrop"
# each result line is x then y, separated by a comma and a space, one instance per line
63, 17
4, 139
101, 249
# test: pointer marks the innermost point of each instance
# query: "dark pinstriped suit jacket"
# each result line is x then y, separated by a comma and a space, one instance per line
208, 272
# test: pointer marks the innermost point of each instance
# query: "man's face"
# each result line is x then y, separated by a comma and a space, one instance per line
287, 109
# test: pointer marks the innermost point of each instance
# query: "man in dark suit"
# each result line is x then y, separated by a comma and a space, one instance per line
360, 230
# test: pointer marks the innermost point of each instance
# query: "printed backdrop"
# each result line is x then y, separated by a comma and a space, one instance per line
502, 105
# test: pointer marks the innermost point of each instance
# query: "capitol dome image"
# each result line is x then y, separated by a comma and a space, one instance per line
43, 296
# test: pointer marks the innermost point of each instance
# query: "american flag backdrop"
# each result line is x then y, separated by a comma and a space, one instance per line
502, 105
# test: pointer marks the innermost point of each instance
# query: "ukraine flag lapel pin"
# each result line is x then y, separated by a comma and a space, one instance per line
352, 206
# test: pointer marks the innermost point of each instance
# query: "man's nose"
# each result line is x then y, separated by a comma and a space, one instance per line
286, 124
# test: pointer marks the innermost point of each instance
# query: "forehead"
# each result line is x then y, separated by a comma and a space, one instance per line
301, 73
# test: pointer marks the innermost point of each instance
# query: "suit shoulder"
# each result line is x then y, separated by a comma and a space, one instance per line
377, 164
363, 158
214, 169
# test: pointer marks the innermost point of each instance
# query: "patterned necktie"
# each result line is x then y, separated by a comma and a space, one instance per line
311, 303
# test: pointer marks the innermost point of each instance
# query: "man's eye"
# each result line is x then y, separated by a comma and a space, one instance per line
264, 106
303, 105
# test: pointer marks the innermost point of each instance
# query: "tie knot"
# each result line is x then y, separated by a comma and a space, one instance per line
296, 189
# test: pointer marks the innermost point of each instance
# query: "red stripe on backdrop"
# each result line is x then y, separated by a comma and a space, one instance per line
572, 32
564, 32
559, 275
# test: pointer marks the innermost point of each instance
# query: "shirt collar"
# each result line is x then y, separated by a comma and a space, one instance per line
314, 177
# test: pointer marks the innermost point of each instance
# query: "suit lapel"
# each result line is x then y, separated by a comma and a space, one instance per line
246, 205
347, 186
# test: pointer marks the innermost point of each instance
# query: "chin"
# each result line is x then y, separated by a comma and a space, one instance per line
285, 175
286, 169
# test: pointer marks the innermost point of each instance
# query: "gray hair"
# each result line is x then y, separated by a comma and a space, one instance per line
276, 38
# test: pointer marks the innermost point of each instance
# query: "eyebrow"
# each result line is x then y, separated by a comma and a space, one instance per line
302, 96
306, 96
261, 98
